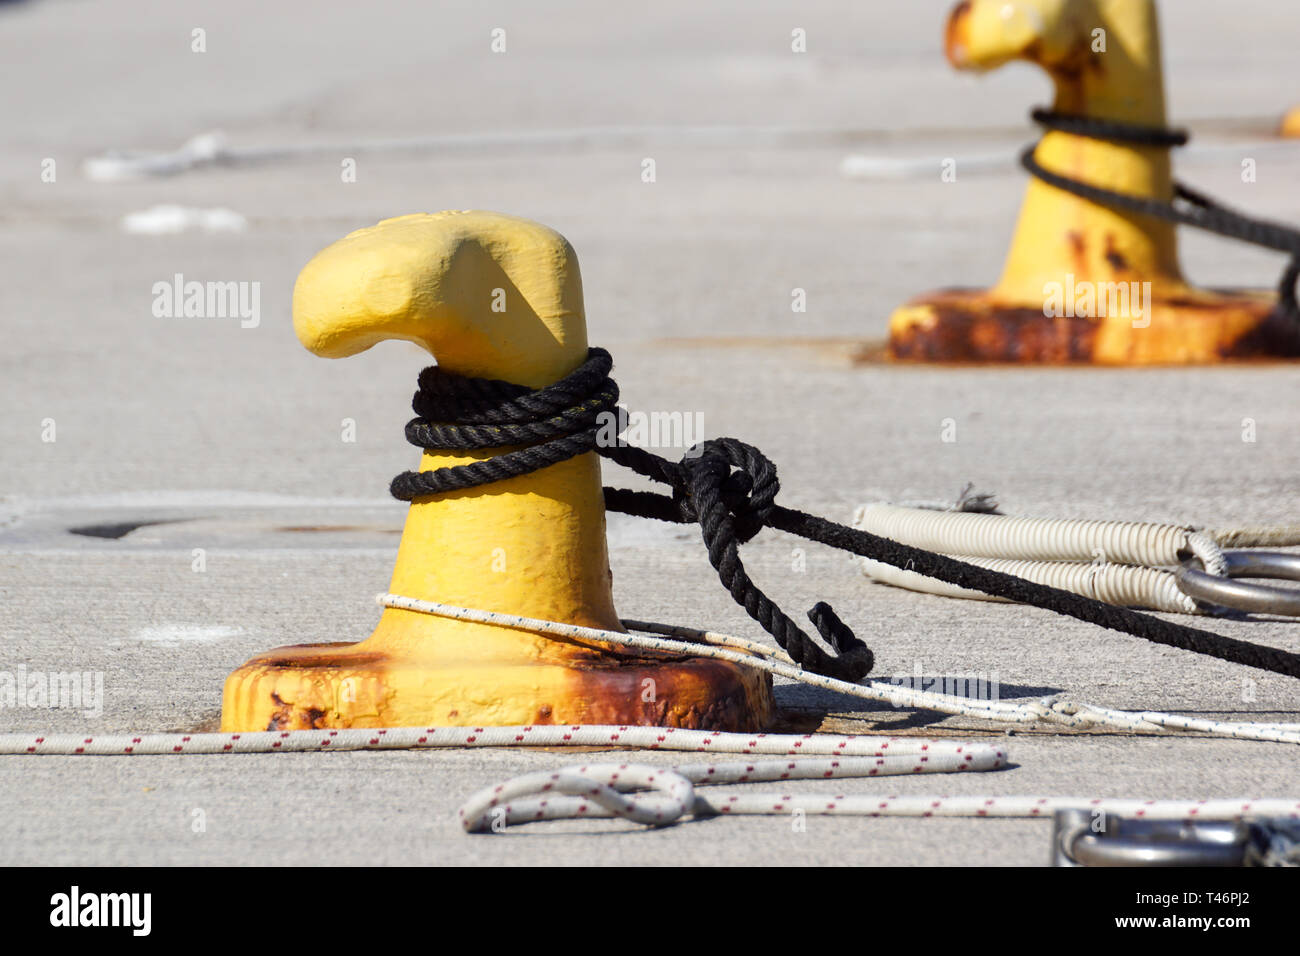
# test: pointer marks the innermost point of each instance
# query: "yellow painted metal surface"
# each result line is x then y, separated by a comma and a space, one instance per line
498, 297
1290, 126
1082, 283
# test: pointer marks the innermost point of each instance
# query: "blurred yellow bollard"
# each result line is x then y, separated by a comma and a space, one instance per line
1083, 283
497, 297
1290, 127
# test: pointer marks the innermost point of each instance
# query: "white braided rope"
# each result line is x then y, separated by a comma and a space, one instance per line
711, 644
1279, 536
416, 738
601, 790
668, 794
698, 643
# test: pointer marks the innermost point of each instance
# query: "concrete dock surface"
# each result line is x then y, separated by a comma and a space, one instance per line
131, 440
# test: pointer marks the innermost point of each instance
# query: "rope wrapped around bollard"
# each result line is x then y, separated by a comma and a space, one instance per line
1189, 208
729, 489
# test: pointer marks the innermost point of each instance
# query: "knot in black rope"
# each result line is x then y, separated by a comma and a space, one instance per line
1189, 208
746, 495
733, 506
728, 489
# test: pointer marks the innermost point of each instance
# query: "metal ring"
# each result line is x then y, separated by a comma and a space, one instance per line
1124, 841
1256, 598
1219, 847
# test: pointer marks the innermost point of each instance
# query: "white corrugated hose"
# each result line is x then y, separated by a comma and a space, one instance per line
1119, 562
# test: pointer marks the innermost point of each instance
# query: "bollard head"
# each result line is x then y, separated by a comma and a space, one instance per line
985, 34
1103, 55
490, 295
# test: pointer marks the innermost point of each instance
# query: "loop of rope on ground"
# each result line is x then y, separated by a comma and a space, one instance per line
668, 795
658, 796
729, 489
599, 790
602, 790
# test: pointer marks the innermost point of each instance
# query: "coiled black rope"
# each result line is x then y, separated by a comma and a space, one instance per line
729, 489
1188, 208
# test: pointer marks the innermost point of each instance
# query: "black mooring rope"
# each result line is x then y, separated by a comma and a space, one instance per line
729, 489
1189, 208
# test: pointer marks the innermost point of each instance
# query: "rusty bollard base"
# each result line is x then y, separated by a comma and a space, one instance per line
1197, 327
418, 671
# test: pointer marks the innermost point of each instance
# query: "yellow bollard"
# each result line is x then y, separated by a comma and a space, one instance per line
1290, 127
497, 297
1083, 283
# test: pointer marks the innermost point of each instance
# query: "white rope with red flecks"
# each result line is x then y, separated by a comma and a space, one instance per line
748, 653
601, 790
662, 795
538, 735
666, 795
